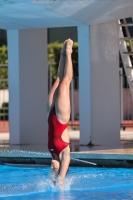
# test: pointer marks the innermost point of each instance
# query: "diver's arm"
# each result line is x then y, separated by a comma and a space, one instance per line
64, 166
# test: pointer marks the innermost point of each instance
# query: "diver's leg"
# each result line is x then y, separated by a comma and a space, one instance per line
62, 102
61, 66
54, 90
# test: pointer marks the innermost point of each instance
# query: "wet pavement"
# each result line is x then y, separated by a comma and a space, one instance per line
103, 156
126, 145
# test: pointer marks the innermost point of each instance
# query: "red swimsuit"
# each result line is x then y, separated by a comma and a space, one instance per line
55, 130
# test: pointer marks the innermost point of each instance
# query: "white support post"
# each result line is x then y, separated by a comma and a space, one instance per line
105, 96
84, 84
28, 83
14, 86
72, 102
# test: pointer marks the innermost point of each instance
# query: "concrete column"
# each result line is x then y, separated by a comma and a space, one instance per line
27, 54
84, 84
14, 86
105, 96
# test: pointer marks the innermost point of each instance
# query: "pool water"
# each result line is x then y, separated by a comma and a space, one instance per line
23, 183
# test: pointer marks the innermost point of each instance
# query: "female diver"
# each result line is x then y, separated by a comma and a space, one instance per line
58, 112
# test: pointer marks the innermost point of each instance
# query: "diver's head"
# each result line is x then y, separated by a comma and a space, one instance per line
55, 165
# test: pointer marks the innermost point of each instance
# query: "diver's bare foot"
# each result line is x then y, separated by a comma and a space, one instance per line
69, 44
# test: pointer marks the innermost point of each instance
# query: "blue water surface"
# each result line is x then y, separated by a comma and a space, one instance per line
23, 183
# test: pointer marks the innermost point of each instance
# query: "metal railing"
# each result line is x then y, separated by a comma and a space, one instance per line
126, 102
4, 96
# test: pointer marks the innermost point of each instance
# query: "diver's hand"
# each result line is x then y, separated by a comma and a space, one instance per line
54, 171
61, 182
54, 176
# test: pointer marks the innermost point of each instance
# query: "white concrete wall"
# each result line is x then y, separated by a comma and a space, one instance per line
105, 100
28, 86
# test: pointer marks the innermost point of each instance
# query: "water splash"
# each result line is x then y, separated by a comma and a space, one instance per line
34, 183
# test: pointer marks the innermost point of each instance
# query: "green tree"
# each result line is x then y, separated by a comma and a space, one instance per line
3, 69
53, 57
54, 50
